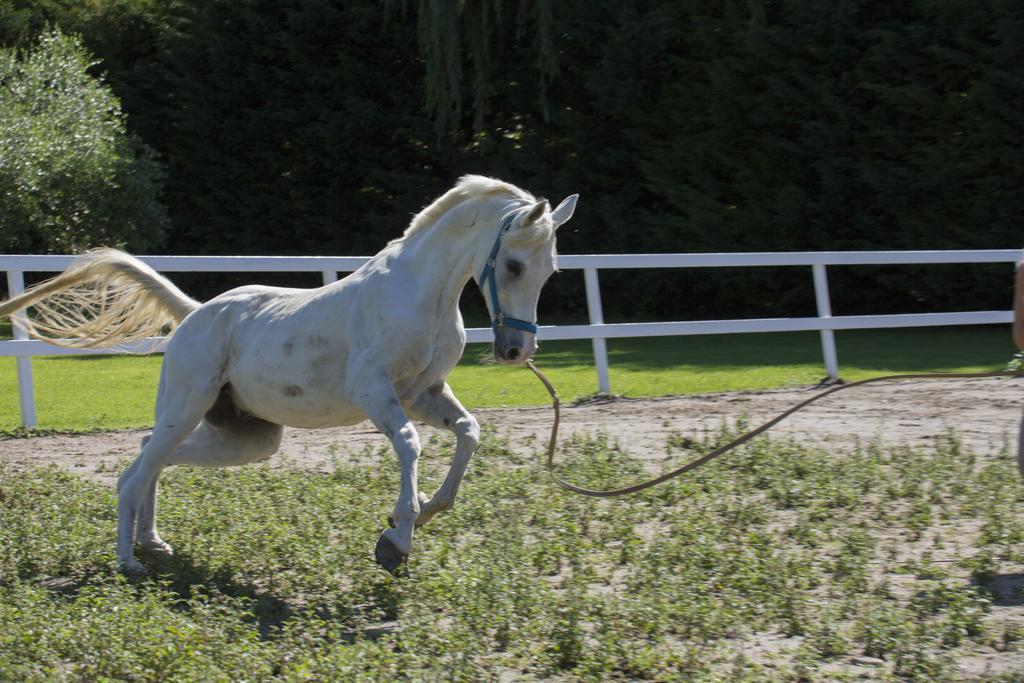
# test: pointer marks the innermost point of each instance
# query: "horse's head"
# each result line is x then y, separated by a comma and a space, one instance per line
519, 262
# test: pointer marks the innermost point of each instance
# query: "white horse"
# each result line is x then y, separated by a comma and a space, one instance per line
377, 344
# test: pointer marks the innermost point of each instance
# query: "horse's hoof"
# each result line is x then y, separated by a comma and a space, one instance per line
132, 567
388, 555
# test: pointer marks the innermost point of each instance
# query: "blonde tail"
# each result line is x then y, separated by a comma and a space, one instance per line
105, 298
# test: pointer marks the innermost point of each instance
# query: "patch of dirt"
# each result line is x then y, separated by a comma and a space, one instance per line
986, 413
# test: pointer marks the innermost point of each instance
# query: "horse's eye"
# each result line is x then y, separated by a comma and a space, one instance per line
515, 267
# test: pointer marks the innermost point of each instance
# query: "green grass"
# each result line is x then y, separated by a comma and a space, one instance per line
711, 363
84, 392
78, 393
779, 562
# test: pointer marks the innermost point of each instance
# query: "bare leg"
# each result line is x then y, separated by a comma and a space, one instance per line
1020, 449
438, 407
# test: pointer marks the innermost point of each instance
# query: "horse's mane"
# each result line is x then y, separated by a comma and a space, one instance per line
468, 187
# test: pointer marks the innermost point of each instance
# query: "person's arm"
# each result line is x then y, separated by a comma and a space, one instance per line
1018, 308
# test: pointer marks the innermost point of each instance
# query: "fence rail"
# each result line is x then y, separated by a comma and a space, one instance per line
597, 330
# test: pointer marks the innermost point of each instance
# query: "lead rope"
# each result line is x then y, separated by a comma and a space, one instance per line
611, 493
1018, 338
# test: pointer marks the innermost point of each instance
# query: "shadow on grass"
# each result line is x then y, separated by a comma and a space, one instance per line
1007, 589
184, 575
181, 574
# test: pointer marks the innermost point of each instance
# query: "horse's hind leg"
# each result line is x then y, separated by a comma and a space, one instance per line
146, 535
180, 407
211, 446
145, 529
226, 437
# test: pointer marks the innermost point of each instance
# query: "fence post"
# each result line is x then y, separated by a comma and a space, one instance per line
597, 318
329, 276
26, 392
828, 338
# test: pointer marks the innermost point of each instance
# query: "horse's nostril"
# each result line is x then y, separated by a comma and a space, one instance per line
512, 353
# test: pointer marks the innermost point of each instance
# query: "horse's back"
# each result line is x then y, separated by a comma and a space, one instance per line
292, 355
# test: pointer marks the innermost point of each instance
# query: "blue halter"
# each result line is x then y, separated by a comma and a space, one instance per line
488, 275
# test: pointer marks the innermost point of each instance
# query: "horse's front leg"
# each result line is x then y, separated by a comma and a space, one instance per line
439, 408
380, 403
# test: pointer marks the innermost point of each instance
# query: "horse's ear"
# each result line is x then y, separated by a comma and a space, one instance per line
564, 211
536, 212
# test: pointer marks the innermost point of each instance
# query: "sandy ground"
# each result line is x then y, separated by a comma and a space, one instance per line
985, 412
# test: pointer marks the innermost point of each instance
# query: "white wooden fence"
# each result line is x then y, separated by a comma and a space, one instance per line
597, 330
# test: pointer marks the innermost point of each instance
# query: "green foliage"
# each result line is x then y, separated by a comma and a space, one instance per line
702, 579
452, 35
291, 128
310, 126
840, 125
73, 177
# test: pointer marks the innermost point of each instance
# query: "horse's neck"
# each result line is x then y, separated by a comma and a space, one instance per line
442, 256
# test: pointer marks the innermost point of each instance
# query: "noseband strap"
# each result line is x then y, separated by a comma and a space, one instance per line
489, 276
